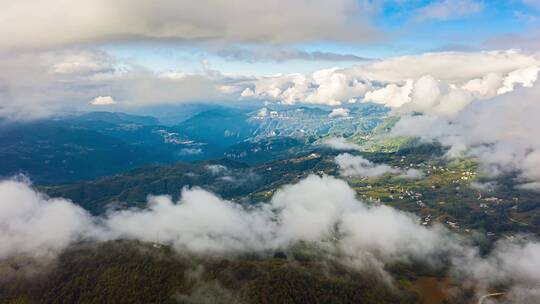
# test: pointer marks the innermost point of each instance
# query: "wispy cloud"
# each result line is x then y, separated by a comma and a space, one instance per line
449, 9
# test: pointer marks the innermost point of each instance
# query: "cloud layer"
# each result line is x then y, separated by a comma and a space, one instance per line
442, 82
61, 22
496, 131
351, 165
318, 210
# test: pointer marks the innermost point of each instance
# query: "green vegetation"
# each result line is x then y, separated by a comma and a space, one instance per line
134, 272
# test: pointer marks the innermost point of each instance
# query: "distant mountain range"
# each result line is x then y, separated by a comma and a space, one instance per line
88, 145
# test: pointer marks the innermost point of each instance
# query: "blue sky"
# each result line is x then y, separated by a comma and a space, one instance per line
402, 31
125, 53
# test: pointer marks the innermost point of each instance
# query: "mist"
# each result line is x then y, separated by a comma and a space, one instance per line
321, 211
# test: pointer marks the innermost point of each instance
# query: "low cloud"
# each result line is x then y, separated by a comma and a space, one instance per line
102, 101
341, 144
31, 224
319, 210
339, 112
351, 165
496, 131
216, 169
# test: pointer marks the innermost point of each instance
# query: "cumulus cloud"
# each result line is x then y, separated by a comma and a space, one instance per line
339, 112
444, 81
341, 144
496, 131
441, 83
393, 95
103, 101
329, 86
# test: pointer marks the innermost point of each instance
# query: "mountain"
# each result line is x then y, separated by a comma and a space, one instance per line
216, 129
54, 153
135, 272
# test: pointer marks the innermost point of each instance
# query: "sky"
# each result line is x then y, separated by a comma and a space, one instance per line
459, 63
400, 28
64, 55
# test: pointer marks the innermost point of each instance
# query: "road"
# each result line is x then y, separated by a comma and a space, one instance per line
484, 297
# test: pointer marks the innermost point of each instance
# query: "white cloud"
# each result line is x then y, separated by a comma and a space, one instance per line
433, 83
525, 77
392, 95
339, 112
449, 67
103, 101
450, 80
33, 225
351, 165
216, 169
329, 86
69, 79
340, 143
320, 210
497, 131
199, 222
513, 264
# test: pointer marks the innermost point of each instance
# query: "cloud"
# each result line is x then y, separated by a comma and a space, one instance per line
34, 225
216, 169
280, 54
532, 3
449, 67
351, 165
444, 81
339, 112
317, 210
510, 263
449, 9
103, 101
61, 22
68, 79
496, 131
199, 222
340, 143
329, 86
392, 95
